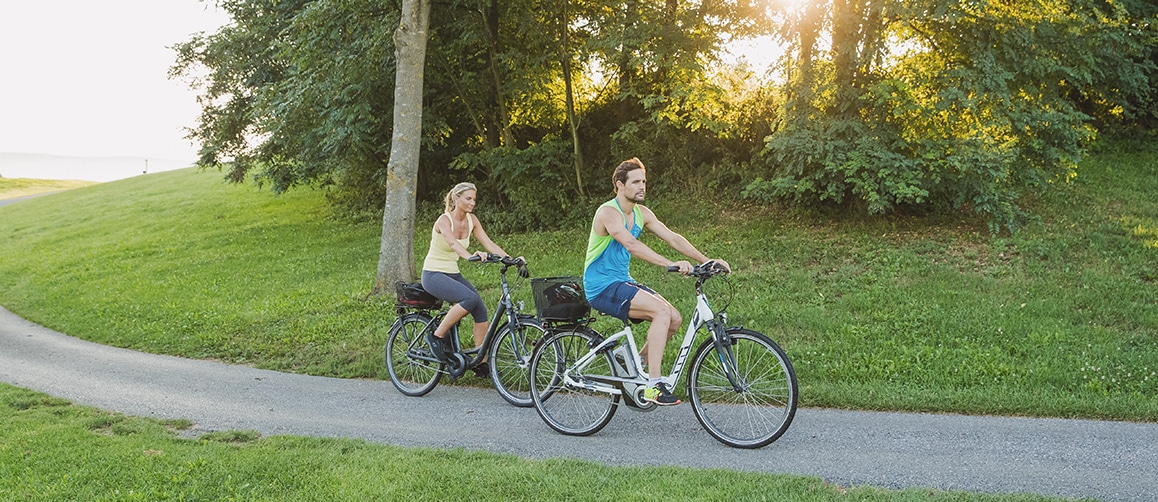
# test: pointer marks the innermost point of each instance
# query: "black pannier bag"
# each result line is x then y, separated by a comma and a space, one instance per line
412, 295
559, 299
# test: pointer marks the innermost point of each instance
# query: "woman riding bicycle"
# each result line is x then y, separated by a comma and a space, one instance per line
440, 275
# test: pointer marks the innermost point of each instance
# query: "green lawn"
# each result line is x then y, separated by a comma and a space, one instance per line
899, 313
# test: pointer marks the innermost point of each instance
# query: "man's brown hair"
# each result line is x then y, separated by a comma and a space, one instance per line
625, 167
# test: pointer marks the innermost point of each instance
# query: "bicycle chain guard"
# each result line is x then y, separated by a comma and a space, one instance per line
634, 400
455, 365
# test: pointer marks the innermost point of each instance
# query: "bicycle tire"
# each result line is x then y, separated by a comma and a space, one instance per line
763, 410
571, 410
510, 360
411, 375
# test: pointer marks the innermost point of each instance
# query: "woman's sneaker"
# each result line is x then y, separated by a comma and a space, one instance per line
483, 370
659, 394
436, 347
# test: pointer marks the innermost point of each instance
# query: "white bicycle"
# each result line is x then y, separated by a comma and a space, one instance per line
740, 383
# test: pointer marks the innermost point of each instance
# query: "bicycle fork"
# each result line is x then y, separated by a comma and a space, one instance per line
725, 354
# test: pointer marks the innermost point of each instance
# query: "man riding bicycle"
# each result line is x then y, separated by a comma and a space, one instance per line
607, 281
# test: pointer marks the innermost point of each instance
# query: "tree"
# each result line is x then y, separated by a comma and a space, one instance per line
301, 92
944, 103
297, 93
243, 63
563, 26
1121, 95
396, 255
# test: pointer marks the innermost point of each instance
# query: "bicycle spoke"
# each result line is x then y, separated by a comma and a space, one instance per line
569, 409
759, 407
509, 360
409, 374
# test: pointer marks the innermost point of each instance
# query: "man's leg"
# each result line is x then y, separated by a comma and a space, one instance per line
665, 322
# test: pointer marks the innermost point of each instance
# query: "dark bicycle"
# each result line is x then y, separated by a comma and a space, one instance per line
512, 335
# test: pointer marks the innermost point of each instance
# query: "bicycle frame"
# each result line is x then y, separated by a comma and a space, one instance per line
701, 316
505, 308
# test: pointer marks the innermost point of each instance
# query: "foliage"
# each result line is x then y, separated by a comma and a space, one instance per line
300, 93
1123, 103
944, 104
913, 106
526, 206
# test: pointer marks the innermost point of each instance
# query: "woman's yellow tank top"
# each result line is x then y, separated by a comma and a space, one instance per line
441, 258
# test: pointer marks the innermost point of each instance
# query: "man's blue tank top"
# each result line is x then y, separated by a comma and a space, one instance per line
611, 263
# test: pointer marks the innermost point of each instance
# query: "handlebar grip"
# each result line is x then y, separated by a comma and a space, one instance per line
474, 257
673, 268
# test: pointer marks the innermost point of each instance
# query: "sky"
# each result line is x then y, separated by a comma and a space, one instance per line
89, 78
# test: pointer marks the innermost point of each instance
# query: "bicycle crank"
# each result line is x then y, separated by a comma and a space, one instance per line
635, 400
455, 365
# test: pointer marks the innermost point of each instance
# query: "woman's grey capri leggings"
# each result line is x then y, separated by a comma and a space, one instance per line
454, 288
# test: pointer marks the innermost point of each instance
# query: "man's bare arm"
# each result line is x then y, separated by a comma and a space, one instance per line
612, 224
675, 240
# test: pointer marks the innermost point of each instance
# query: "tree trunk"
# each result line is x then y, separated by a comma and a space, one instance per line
799, 101
396, 254
569, 94
625, 107
502, 118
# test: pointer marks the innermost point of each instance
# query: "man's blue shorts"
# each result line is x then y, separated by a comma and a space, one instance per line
615, 300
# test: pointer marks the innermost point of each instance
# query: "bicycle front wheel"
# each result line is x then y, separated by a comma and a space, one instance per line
757, 405
407, 353
510, 360
570, 408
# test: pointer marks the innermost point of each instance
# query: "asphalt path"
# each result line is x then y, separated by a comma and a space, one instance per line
1112, 461
5, 202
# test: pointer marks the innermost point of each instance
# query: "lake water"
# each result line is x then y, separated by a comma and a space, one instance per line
54, 167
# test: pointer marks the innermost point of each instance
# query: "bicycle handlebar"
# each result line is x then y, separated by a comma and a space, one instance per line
702, 271
519, 263
492, 258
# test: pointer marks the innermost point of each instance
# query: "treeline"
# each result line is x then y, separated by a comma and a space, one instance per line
876, 106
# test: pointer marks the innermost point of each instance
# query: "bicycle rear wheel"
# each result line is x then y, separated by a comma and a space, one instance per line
573, 410
405, 348
510, 360
760, 407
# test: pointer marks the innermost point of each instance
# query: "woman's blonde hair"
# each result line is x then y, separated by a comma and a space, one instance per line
455, 192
